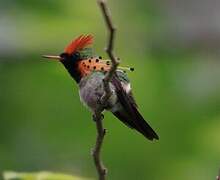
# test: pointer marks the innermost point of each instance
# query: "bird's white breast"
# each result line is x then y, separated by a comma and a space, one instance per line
91, 90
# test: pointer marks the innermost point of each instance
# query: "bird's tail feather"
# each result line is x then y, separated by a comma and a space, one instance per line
137, 122
128, 113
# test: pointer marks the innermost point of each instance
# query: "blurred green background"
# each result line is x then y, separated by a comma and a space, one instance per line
173, 46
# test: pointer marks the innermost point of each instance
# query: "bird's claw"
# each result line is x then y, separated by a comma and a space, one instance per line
99, 101
94, 117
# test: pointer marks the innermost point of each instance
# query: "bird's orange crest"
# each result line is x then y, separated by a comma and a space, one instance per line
79, 43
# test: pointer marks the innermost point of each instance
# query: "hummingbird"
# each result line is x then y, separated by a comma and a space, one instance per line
88, 71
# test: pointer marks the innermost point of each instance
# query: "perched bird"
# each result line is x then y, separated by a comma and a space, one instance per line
89, 71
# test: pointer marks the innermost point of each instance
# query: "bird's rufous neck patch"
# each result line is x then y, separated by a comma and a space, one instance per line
93, 64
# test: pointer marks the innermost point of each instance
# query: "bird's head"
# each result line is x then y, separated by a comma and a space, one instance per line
74, 51
77, 50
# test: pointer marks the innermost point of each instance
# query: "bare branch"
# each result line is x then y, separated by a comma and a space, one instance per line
101, 170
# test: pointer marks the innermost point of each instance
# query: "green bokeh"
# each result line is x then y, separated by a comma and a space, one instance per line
45, 127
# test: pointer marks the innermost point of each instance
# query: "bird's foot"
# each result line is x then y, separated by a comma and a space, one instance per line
100, 102
94, 117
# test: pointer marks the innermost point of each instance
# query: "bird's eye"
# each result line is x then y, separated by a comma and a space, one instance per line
76, 55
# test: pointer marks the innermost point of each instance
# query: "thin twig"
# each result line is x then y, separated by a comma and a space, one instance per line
101, 170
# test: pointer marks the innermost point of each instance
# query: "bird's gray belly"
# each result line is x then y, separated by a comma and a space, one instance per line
91, 90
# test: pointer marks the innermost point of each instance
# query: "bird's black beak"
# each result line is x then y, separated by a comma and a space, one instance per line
52, 57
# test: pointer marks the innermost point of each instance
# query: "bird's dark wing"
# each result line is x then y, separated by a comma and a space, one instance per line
123, 78
128, 112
